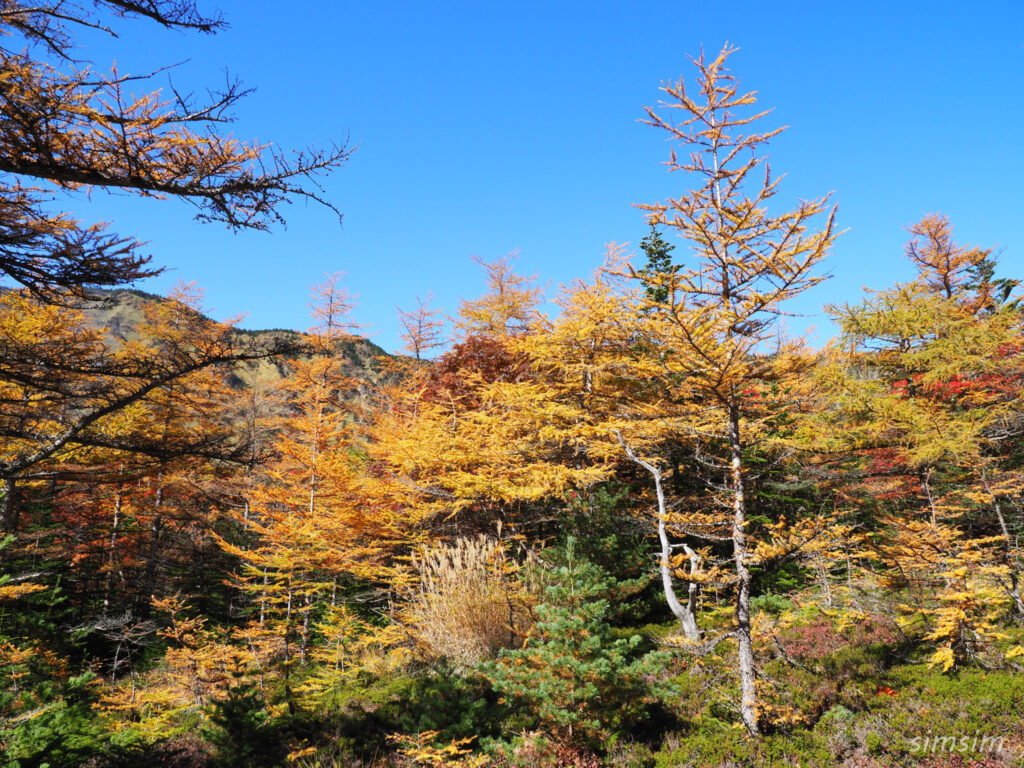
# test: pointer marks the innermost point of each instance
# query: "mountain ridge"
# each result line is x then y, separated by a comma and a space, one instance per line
120, 311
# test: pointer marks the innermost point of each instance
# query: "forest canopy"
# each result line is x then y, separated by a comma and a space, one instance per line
646, 528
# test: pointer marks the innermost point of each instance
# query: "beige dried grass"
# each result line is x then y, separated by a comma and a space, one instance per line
469, 602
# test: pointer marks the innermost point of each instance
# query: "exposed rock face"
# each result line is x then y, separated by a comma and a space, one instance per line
122, 311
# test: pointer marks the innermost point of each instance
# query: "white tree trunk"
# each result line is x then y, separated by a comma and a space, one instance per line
686, 614
748, 683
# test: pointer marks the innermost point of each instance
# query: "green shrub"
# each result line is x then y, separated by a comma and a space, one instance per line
57, 728
242, 733
572, 678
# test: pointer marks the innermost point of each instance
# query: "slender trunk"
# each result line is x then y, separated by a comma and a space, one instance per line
695, 561
108, 582
8, 506
926, 489
288, 651
307, 609
263, 597
288, 627
826, 587
153, 556
1011, 561
685, 614
687, 618
748, 683
116, 664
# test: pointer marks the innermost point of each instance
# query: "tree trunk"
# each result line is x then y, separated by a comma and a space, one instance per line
263, 597
8, 506
307, 609
926, 489
153, 557
687, 617
748, 683
695, 562
108, 582
685, 614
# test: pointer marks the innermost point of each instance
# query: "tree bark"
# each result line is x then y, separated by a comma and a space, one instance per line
153, 557
8, 505
748, 683
115, 528
926, 489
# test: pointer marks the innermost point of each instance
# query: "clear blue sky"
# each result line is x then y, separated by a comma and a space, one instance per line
484, 127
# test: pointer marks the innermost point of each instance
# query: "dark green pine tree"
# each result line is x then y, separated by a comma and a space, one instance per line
996, 292
242, 732
573, 678
658, 262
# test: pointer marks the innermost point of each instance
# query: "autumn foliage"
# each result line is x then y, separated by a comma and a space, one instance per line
639, 525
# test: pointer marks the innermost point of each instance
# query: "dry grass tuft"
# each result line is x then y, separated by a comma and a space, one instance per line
469, 602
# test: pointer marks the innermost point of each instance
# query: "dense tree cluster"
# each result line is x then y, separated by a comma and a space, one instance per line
645, 529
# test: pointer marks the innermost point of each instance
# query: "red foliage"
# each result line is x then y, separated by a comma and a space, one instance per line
542, 753
885, 461
486, 357
819, 639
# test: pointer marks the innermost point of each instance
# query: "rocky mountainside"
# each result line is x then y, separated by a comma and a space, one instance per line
121, 312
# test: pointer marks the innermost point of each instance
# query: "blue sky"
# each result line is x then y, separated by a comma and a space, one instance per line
485, 127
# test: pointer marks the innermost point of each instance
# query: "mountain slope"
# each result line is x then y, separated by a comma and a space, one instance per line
121, 312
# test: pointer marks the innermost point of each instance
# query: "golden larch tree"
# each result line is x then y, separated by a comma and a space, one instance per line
67, 125
719, 324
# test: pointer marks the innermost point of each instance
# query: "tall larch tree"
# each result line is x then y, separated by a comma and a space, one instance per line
318, 518
422, 328
719, 323
507, 307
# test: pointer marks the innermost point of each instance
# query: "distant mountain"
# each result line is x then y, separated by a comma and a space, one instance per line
120, 312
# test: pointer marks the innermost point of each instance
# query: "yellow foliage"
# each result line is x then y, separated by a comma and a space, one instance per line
421, 750
509, 306
349, 646
195, 670
943, 657
14, 591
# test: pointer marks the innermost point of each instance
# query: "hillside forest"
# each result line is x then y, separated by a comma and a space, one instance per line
649, 527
